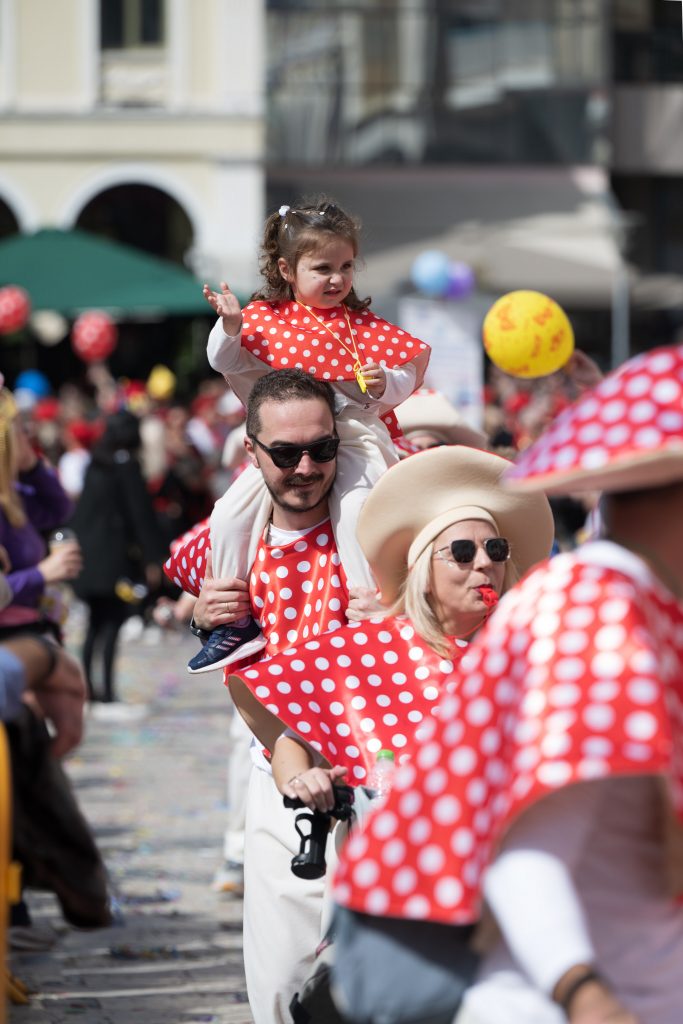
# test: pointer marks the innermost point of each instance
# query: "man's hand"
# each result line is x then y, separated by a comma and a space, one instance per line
221, 601
226, 304
363, 604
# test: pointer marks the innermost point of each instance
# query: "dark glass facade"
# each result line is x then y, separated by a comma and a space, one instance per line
436, 81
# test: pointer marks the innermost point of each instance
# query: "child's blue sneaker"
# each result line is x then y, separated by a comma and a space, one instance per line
227, 644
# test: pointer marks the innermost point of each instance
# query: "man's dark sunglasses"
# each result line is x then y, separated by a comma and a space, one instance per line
287, 456
463, 551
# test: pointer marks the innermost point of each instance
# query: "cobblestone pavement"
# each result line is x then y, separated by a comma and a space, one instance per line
154, 792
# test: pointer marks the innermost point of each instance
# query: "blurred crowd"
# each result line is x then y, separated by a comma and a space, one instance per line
98, 483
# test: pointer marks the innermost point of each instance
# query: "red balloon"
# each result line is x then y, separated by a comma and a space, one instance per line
94, 336
15, 308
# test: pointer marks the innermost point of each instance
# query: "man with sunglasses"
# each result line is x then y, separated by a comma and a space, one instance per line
298, 589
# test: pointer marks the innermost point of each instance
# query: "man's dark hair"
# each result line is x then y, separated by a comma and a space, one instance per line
284, 386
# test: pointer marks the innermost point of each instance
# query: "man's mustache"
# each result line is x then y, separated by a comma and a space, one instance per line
299, 479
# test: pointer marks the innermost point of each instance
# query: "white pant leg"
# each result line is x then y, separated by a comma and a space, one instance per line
239, 771
365, 453
237, 522
282, 913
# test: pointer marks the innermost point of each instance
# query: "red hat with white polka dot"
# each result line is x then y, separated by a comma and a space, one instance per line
624, 434
566, 684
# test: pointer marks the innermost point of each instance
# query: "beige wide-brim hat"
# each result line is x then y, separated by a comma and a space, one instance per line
415, 500
430, 412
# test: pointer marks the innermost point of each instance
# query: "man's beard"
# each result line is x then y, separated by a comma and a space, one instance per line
281, 503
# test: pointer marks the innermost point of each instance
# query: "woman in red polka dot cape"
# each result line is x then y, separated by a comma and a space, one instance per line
550, 784
307, 315
441, 562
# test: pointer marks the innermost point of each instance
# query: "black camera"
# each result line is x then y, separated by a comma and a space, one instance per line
309, 862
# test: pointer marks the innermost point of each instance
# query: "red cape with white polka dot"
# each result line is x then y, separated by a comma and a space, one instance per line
358, 690
285, 335
577, 676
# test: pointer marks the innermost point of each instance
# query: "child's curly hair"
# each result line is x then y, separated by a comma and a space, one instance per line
292, 232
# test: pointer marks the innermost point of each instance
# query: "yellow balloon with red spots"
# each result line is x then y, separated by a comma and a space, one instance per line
526, 334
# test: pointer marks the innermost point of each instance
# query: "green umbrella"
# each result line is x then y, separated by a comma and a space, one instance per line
71, 271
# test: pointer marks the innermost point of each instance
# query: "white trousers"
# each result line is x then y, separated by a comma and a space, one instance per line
240, 516
239, 771
282, 913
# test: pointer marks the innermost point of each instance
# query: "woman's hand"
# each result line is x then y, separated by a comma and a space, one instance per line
64, 563
5, 561
314, 787
375, 378
363, 604
226, 304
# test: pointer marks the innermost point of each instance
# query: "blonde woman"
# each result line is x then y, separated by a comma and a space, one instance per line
32, 502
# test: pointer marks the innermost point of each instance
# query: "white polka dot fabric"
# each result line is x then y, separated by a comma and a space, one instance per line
297, 591
186, 564
364, 688
628, 431
285, 335
578, 675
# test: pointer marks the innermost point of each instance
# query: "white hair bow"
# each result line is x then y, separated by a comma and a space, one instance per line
284, 210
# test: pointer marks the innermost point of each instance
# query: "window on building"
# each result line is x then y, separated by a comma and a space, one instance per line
130, 24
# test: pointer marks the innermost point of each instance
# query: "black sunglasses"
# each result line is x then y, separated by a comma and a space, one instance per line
287, 456
463, 551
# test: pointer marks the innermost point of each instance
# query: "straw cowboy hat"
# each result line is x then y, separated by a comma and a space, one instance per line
624, 434
416, 499
430, 412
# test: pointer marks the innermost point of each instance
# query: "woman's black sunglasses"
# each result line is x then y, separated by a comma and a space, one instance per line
287, 456
463, 551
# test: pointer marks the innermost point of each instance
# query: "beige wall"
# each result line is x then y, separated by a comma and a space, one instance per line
49, 53
196, 132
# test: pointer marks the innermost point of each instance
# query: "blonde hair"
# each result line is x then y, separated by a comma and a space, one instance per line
414, 602
10, 502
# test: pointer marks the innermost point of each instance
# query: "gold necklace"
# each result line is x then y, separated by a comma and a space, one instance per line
352, 351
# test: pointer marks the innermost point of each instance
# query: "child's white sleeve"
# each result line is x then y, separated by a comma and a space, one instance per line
223, 350
400, 384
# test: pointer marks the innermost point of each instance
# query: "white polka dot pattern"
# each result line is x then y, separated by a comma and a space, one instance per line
524, 715
369, 686
631, 415
297, 591
186, 565
285, 335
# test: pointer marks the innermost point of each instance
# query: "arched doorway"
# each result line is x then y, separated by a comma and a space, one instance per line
142, 216
148, 218
9, 225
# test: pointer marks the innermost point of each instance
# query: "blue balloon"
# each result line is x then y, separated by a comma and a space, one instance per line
430, 272
35, 381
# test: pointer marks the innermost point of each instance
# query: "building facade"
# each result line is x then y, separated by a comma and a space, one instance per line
139, 119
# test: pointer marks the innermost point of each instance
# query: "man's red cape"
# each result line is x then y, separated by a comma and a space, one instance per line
577, 676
